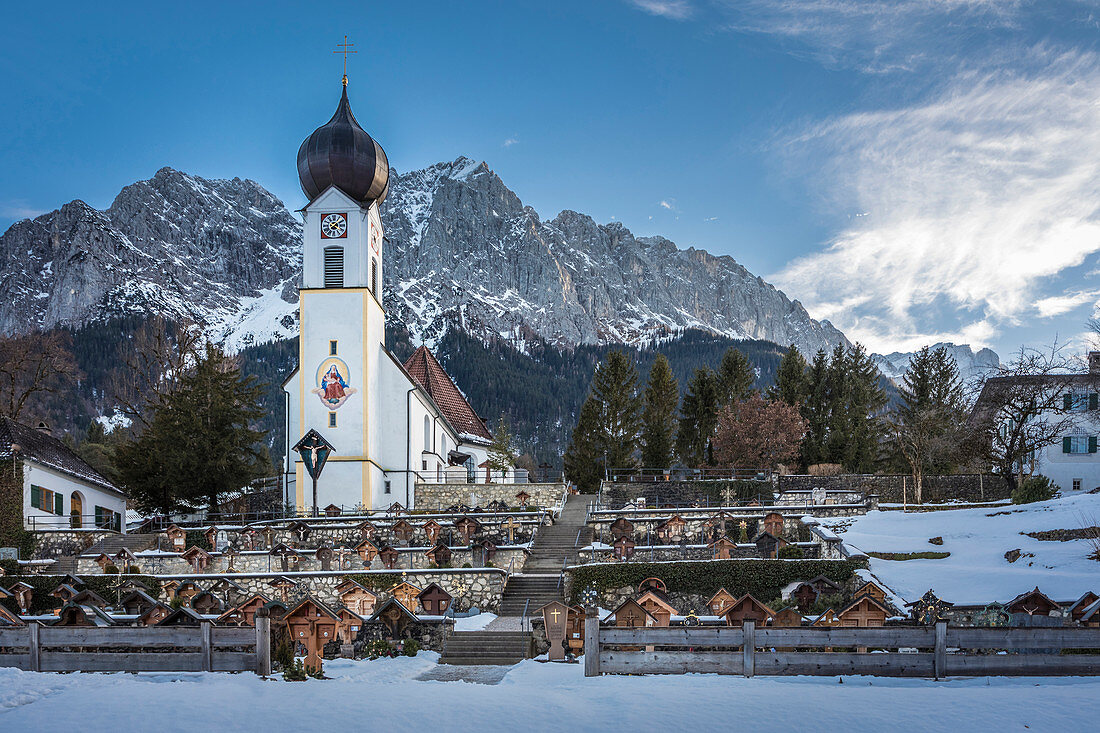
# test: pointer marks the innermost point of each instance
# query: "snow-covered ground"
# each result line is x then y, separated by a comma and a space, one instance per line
977, 571
385, 695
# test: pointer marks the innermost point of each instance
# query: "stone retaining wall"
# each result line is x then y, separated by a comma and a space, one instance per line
408, 558
55, 543
441, 496
657, 553
483, 588
889, 487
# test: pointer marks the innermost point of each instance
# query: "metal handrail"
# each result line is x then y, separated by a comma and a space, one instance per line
561, 575
577, 541
523, 617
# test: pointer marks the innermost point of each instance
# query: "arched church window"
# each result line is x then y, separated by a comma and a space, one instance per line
334, 267
427, 434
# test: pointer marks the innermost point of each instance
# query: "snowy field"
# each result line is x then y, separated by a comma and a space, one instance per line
385, 695
977, 571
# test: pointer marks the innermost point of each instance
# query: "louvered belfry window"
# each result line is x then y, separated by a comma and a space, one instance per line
334, 267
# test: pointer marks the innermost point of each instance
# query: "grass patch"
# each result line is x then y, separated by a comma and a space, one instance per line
909, 555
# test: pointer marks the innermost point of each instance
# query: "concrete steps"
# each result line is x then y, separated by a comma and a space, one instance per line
113, 544
532, 591
486, 647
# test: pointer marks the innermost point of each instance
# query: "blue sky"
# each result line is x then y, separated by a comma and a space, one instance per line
913, 170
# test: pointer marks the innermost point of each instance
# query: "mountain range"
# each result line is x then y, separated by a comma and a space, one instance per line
462, 252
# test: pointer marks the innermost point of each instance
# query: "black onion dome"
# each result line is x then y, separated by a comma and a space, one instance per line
340, 153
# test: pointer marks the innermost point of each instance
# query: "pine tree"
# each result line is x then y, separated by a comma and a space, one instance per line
200, 443
583, 459
815, 410
735, 378
698, 417
502, 456
615, 389
662, 395
791, 382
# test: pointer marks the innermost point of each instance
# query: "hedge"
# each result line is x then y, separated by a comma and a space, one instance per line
762, 578
376, 581
102, 585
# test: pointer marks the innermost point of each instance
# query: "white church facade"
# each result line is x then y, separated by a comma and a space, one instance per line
390, 423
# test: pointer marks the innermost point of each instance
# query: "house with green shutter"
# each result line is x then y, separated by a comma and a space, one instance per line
60, 489
1069, 406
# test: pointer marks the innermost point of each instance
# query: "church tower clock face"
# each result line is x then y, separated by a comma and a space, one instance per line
334, 226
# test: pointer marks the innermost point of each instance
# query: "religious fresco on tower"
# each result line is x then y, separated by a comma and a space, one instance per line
333, 383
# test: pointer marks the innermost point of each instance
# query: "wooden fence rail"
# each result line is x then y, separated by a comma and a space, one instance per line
205, 648
897, 651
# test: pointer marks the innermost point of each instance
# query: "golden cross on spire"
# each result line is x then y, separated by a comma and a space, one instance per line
345, 48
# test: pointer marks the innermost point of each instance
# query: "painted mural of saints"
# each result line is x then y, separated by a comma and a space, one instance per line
332, 384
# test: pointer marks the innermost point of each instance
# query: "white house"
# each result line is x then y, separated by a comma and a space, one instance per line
60, 489
1071, 460
391, 423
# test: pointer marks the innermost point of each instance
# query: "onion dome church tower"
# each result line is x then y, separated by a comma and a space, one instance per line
348, 386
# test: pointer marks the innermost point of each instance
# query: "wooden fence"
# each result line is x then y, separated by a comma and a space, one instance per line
896, 651
204, 648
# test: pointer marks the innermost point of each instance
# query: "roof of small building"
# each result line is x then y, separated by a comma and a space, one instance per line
429, 373
47, 450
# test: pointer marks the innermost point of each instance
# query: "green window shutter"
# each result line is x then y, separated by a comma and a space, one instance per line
99, 516
58, 504
36, 496
1092, 444
1067, 401
1094, 401
1067, 444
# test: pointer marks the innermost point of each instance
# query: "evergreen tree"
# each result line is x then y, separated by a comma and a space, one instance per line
815, 410
583, 459
615, 389
791, 381
735, 378
200, 443
931, 381
662, 395
698, 417
502, 456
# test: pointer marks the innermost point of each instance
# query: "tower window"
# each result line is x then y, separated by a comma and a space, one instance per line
334, 267
387, 486
427, 435
332, 419
332, 347
374, 276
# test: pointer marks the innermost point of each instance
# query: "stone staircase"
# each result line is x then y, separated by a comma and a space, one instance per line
486, 647
114, 543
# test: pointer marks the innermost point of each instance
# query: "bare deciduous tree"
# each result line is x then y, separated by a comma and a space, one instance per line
158, 355
32, 366
1023, 409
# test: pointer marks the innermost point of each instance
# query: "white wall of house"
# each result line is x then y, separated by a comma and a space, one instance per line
66, 486
1073, 461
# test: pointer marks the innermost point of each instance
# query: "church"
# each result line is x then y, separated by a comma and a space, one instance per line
390, 423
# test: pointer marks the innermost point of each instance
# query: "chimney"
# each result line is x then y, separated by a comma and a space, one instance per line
1094, 362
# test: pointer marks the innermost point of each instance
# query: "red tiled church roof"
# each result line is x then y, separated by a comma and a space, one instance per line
429, 373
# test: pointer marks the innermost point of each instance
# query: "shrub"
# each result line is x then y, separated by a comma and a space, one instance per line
762, 578
1035, 488
936, 541
410, 647
379, 648
283, 654
791, 552
295, 672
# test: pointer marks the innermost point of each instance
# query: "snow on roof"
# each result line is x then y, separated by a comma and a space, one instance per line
43, 448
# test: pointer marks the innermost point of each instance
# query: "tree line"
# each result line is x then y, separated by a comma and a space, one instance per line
828, 412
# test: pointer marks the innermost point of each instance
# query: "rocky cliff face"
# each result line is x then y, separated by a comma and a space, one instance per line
466, 252
176, 245
463, 251
973, 365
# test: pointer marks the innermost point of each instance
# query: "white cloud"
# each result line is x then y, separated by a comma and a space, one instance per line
878, 35
1056, 305
510, 142
977, 198
674, 9
665, 204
